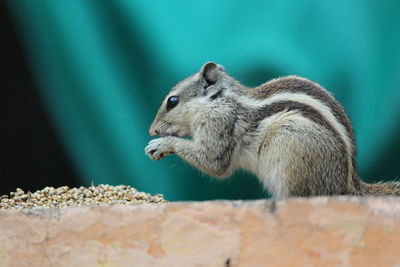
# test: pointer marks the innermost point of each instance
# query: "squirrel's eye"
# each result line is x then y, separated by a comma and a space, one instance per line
172, 102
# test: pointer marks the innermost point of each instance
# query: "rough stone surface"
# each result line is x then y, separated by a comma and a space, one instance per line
295, 232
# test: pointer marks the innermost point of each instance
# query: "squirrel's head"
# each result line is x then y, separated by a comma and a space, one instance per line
188, 99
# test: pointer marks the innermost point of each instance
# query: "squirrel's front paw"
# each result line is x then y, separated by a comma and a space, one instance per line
159, 148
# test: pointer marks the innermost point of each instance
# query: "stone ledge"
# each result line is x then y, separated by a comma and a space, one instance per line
296, 232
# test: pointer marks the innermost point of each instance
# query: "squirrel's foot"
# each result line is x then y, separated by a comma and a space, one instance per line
160, 147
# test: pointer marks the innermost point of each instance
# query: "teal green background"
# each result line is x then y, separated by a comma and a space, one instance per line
103, 68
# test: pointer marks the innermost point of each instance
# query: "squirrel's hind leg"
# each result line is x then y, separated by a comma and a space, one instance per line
298, 157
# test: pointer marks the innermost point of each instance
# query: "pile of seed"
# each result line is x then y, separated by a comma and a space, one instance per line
64, 196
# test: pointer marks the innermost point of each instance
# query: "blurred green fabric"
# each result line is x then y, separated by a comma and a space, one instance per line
104, 66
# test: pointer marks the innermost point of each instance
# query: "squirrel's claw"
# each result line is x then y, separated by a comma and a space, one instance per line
158, 148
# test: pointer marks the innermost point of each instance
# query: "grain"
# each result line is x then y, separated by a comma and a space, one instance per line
61, 197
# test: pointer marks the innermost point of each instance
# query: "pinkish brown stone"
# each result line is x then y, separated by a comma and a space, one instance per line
296, 232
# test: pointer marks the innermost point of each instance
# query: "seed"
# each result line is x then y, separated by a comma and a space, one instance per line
61, 197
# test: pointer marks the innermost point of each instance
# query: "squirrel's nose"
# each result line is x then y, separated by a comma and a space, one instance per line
154, 132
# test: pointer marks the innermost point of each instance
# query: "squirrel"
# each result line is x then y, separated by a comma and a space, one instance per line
290, 132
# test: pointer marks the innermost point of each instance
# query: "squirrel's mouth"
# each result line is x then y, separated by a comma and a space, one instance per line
170, 134
178, 133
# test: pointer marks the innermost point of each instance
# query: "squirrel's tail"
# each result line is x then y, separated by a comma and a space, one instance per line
381, 189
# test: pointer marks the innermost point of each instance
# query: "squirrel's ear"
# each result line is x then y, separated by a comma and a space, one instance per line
209, 72
221, 68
